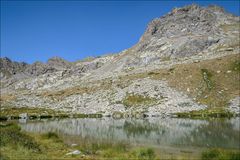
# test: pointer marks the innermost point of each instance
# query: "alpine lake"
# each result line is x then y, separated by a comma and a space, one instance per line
167, 137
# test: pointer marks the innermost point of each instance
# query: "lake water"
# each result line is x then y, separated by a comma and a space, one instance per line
165, 133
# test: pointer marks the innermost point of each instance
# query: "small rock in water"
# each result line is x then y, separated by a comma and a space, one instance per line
76, 152
218, 71
229, 71
73, 145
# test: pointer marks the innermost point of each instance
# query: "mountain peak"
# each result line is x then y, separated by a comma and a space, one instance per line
189, 30
187, 8
192, 18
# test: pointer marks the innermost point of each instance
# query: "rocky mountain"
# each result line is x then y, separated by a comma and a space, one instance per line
186, 60
9, 68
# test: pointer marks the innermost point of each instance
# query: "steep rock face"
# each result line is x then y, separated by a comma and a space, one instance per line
184, 32
195, 28
182, 21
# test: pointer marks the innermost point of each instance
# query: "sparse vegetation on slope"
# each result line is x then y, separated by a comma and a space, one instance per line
211, 82
132, 100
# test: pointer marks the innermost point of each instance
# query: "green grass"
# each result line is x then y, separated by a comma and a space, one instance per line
207, 75
138, 100
207, 113
11, 135
220, 154
41, 113
167, 58
94, 115
33, 112
208, 81
235, 66
143, 154
50, 135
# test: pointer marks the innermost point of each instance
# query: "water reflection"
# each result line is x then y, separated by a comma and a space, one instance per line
154, 131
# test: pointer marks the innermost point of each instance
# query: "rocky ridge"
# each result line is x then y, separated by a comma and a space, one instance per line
103, 85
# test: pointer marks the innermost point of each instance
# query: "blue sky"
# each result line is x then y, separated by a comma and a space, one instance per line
38, 30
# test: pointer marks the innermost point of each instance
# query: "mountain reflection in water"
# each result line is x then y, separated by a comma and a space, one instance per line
222, 133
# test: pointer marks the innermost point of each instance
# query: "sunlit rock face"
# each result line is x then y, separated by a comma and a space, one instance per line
185, 32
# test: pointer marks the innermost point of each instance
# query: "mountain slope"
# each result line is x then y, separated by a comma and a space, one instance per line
171, 69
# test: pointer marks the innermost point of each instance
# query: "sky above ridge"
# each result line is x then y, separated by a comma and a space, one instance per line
38, 30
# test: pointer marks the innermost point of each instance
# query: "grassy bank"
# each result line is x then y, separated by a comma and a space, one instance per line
39, 113
207, 113
16, 144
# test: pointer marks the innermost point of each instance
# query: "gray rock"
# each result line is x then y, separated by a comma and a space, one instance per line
234, 105
76, 152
